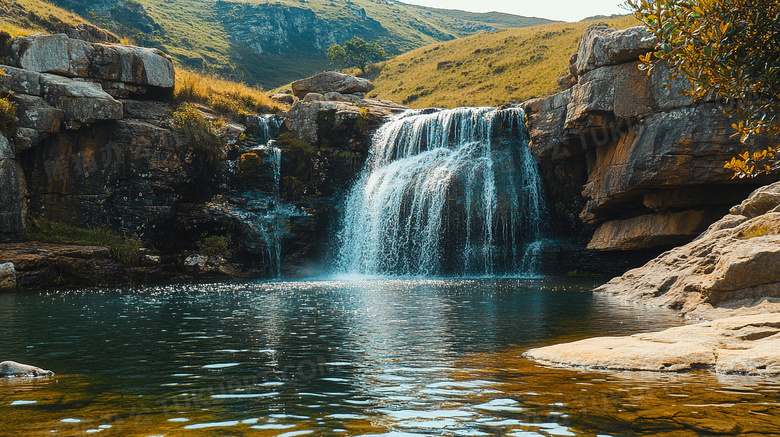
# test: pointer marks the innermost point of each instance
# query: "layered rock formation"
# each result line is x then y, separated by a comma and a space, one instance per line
654, 159
729, 269
746, 344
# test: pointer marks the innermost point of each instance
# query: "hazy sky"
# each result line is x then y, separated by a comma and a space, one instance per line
567, 10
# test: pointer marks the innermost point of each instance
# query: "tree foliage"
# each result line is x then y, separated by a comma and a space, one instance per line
356, 53
727, 47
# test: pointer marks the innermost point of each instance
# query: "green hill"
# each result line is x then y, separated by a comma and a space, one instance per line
272, 42
508, 66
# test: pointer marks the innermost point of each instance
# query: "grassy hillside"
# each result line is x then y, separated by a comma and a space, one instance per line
272, 42
21, 17
508, 66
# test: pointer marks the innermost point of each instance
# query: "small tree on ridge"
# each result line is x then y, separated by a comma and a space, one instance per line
356, 53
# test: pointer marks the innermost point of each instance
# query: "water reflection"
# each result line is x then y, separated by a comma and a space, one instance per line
435, 357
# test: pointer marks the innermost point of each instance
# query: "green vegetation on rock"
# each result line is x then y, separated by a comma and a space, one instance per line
125, 250
508, 66
726, 47
7, 117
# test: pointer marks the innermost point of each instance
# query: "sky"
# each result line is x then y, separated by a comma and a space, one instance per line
565, 10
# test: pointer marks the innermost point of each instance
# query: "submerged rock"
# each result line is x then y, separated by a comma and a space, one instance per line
746, 344
12, 369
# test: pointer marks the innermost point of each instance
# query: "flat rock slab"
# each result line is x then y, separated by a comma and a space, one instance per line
12, 369
744, 344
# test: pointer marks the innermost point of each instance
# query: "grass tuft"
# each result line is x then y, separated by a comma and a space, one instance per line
125, 250
227, 97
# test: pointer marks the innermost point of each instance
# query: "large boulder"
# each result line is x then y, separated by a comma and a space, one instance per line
331, 81
81, 102
745, 344
733, 265
59, 54
603, 46
12, 369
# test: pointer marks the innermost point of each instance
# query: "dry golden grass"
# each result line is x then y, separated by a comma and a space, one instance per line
24, 17
491, 69
227, 97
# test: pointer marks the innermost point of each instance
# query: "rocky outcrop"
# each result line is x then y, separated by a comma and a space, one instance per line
747, 344
331, 81
12, 369
731, 267
37, 265
7, 277
308, 120
651, 155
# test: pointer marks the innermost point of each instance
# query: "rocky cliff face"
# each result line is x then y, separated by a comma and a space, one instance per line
650, 161
96, 146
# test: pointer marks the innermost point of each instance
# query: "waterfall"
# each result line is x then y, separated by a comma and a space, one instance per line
445, 192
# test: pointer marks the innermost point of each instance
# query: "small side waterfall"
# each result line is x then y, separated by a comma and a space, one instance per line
263, 213
450, 192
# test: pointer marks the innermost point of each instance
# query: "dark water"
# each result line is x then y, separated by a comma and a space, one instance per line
396, 358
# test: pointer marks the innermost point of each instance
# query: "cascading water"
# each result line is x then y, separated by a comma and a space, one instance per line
450, 192
263, 212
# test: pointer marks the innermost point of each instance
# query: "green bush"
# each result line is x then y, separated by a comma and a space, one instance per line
7, 117
214, 245
201, 134
125, 250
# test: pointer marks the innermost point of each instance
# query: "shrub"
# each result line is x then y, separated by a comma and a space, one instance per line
7, 117
125, 250
725, 47
201, 134
214, 245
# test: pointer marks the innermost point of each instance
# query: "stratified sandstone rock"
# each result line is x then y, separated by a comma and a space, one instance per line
604, 46
306, 118
7, 277
13, 190
732, 265
648, 150
65, 56
81, 102
34, 112
12, 369
331, 81
745, 344
661, 229
39, 265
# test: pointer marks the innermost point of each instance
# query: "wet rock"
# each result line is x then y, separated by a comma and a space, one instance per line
331, 81
13, 190
745, 344
211, 266
12, 369
306, 119
7, 277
